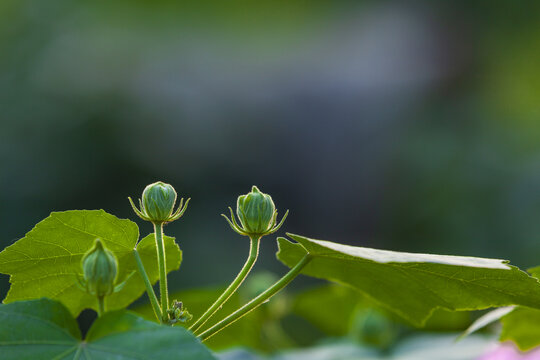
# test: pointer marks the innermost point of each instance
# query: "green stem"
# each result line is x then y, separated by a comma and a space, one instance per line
101, 305
163, 292
149, 289
253, 254
253, 304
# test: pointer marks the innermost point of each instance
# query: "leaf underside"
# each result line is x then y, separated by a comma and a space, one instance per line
45, 329
522, 325
46, 262
414, 285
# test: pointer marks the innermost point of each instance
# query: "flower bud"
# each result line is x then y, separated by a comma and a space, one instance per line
99, 269
256, 211
158, 201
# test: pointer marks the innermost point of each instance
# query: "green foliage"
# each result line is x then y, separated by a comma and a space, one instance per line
519, 324
46, 262
349, 313
242, 333
340, 303
423, 347
380, 285
44, 329
414, 285
259, 330
522, 327
487, 319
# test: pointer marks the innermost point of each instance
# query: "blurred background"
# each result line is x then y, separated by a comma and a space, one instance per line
403, 125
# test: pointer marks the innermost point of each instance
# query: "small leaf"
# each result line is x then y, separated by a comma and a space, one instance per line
46, 262
44, 329
522, 327
414, 285
523, 324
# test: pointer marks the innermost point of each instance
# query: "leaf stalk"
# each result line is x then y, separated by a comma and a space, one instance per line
101, 305
149, 289
231, 289
257, 301
163, 290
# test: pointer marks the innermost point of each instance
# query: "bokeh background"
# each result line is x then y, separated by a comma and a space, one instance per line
404, 125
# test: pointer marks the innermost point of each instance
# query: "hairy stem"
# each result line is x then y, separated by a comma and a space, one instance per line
149, 289
253, 304
253, 254
163, 292
101, 305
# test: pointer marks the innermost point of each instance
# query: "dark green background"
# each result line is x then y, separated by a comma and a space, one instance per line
411, 125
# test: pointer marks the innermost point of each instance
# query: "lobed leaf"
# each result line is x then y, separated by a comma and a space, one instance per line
46, 262
414, 285
45, 329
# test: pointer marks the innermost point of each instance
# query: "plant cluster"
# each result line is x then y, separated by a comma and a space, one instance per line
81, 259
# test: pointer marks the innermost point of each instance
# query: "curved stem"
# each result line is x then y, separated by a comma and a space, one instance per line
149, 289
101, 305
263, 297
163, 292
253, 254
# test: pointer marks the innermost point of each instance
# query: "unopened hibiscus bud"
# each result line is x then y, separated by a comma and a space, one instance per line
256, 211
158, 201
157, 205
257, 214
99, 269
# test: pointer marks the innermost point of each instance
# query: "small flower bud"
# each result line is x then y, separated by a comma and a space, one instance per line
257, 214
157, 205
178, 313
158, 201
99, 269
256, 211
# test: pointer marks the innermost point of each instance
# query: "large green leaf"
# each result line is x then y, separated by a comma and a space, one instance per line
44, 329
519, 324
414, 285
46, 261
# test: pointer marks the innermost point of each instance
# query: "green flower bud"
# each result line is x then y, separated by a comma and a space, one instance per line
99, 269
256, 212
157, 204
178, 313
158, 201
